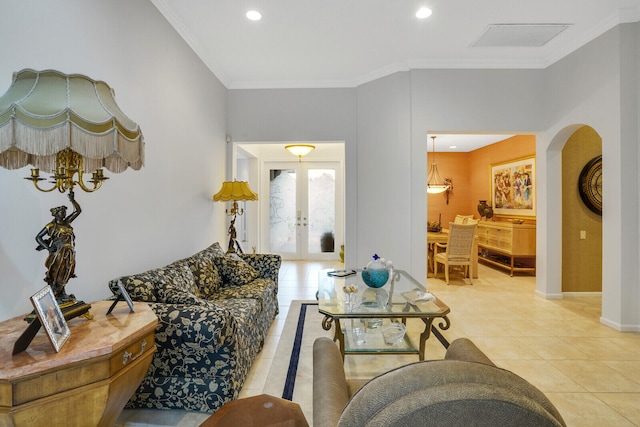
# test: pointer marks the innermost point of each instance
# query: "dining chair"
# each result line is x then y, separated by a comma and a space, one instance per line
457, 251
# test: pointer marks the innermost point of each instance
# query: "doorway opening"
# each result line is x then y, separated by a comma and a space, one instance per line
300, 213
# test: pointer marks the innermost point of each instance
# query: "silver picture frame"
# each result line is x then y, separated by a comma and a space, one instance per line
51, 317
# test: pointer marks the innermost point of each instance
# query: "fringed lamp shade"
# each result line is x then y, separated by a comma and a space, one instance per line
46, 112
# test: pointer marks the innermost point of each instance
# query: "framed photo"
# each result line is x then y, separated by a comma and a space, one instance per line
51, 317
513, 187
120, 293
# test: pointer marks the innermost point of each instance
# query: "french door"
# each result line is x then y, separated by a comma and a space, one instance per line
305, 210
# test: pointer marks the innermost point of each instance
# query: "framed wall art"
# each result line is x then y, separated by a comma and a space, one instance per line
513, 188
51, 317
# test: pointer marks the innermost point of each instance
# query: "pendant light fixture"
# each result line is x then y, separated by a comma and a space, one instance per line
299, 149
435, 183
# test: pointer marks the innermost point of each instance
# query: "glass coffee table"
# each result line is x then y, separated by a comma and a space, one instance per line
361, 316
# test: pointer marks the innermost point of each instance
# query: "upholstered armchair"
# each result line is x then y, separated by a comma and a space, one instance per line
464, 389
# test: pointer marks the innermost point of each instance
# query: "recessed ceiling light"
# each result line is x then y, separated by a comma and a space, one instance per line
254, 15
423, 12
453, 147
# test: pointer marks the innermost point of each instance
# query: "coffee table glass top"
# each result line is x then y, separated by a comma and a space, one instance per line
401, 296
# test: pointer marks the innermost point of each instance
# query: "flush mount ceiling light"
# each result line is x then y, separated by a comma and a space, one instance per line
435, 183
300, 149
254, 15
423, 12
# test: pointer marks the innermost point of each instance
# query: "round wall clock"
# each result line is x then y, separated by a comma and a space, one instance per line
590, 185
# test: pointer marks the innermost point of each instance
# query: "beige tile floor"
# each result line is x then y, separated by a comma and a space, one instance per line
589, 371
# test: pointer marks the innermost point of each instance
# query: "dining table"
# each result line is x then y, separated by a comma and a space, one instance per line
442, 236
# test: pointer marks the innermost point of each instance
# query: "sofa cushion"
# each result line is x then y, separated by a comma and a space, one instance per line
259, 289
235, 272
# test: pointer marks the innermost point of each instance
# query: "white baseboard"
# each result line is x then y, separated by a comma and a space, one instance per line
582, 294
619, 327
548, 296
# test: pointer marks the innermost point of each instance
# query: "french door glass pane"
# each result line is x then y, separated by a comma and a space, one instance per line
321, 208
282, 210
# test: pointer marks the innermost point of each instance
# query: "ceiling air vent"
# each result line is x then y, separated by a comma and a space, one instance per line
519, 35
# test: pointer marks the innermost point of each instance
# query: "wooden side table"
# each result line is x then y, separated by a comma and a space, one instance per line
89, 381
258, 411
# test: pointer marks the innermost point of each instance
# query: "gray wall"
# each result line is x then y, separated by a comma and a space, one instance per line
597, 85
385, 206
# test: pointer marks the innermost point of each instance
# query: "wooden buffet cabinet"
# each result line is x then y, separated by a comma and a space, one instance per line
501, 243
89, 381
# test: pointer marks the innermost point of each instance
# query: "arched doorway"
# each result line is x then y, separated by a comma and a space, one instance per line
581, 227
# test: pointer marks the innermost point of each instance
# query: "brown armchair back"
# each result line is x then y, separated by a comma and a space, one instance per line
465, 389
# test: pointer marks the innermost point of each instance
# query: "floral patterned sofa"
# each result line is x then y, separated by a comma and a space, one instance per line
214, 310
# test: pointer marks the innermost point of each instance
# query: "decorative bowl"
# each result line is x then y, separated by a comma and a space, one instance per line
394, 333
375, 278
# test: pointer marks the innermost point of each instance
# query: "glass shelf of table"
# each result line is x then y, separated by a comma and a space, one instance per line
373, 341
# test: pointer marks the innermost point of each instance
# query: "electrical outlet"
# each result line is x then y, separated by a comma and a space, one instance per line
583, 234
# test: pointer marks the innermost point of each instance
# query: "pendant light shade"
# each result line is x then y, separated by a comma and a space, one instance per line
300, 149
435, 183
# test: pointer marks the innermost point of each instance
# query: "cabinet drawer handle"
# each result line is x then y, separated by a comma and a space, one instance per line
129, 357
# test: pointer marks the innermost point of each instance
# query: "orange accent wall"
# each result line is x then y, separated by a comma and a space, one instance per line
471, 175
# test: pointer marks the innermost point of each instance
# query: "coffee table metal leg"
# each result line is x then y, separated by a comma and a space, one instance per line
444, 324
337, 334
424, 336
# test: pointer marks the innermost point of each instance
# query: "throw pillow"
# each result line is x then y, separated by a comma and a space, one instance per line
235, 272
150, 285
205, 273
178, 275
178, 286
141, 286
216, 249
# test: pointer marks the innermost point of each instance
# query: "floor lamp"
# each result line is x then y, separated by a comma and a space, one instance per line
235, 191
